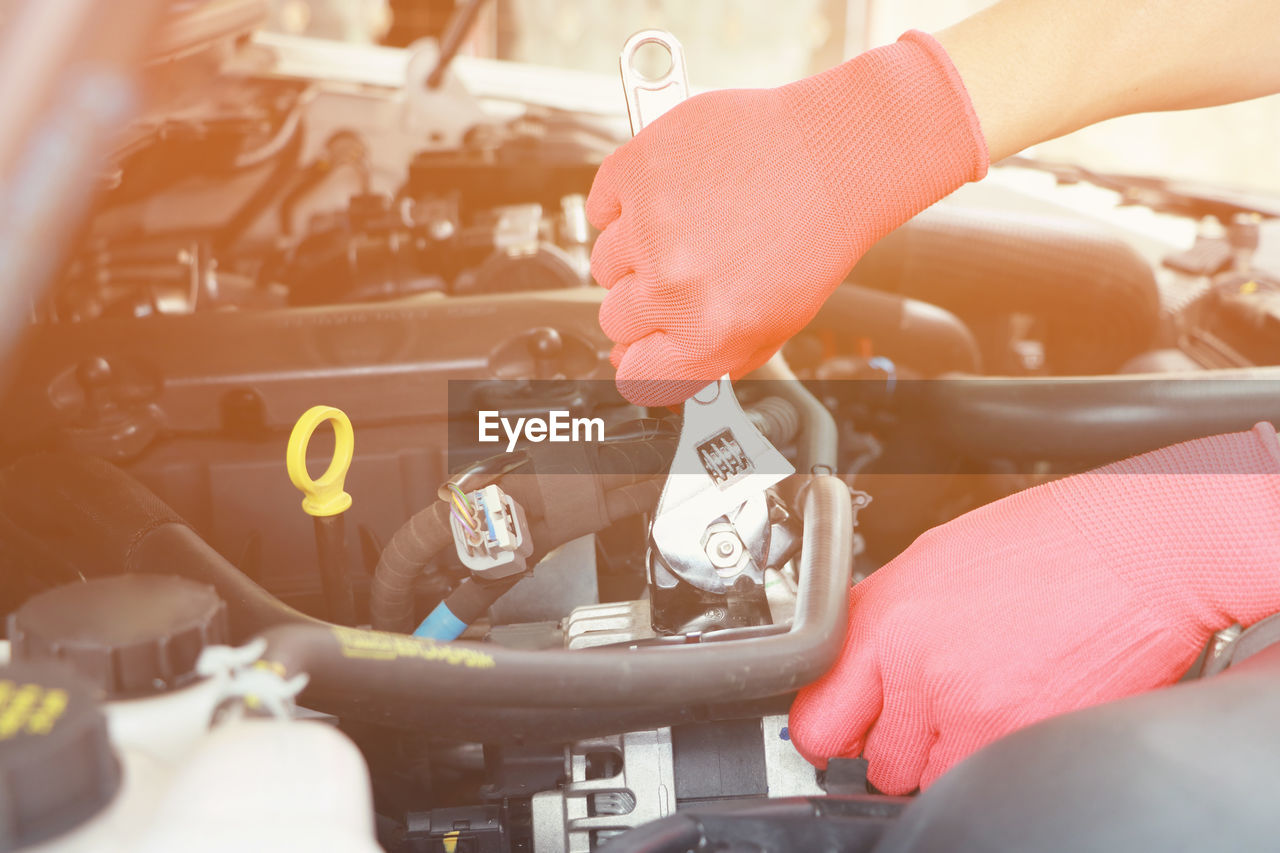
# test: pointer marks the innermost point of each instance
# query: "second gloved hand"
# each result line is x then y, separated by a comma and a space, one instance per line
729, 220
1083, 590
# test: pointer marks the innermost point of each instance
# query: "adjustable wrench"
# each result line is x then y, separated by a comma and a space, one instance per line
712, 522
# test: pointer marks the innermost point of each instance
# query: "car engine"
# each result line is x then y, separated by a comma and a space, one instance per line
312, 257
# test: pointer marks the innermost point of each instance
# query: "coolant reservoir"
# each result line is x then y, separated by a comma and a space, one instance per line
112, 743
249, 785
267, 785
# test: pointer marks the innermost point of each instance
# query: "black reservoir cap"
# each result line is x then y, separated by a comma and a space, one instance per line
130, 635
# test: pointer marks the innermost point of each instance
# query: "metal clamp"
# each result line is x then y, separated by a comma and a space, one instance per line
241, 674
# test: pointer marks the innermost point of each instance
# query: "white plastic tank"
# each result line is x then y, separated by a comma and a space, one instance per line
249, 785
246, 784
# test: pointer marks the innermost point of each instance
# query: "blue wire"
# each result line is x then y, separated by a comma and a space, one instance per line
440, 624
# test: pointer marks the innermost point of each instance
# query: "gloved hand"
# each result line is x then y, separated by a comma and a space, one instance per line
1070, 594
729, 220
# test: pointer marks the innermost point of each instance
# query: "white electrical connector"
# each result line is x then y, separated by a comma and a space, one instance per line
502, 545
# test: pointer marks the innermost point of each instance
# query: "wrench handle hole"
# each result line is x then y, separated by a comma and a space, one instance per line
652, 61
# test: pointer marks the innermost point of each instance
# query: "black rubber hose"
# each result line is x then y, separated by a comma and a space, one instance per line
776, 418
522, 726
816, 444
633, 500
404, 558
176, 549
1095, 294
1089, 418
68, 516
626, 463
377, 665
930, 339
81, 515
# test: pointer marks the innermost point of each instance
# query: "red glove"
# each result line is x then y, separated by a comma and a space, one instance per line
730, 219
1067, 595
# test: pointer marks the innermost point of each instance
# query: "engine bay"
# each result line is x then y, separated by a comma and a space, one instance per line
294, 225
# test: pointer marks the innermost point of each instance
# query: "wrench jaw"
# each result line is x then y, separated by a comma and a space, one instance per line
712, 530
713, 556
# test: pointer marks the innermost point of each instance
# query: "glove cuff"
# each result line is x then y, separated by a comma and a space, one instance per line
892, 131
1194, 528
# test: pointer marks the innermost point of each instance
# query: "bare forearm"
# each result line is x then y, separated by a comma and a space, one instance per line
1036, 69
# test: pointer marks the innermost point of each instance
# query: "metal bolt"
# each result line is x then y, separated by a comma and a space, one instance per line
724, 550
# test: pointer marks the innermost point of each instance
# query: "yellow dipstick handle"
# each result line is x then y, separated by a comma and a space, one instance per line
323, 496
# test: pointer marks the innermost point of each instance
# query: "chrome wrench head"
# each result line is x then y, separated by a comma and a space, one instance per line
716, 489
